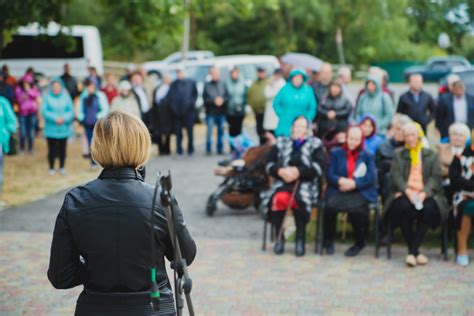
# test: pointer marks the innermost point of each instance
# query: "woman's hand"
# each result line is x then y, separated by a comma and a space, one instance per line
289, 174
332, 115
346, 185
60, 121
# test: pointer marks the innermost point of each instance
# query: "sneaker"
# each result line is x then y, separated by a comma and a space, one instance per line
279, 247
353, 251
462, 260
329, 248
421, 259
62, 171
410, 260
51, 172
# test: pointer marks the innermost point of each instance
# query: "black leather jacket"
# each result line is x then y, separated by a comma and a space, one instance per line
107, 223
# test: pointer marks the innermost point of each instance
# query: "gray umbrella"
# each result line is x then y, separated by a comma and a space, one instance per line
302, 60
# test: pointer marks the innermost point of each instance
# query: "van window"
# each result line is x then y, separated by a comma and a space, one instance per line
44, 46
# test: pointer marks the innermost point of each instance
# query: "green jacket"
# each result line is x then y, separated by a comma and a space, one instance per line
256, 96
432, 178
8, 123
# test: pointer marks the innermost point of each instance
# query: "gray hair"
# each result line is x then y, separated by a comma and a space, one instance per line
460, 128
401, 118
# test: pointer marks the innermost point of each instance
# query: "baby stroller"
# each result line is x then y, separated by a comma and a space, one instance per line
244, 180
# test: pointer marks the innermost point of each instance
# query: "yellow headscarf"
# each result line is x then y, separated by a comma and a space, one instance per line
415, 153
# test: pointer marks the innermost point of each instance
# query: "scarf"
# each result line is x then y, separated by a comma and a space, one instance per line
352, 156
415, 153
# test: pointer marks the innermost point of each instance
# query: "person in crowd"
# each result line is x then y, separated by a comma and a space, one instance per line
335, 138
294, 99
8, 126
148, 82
126, 101
335, 111
237, 101
416, 103
215, 97
257, 101
6, 90
273, 86
94, 77
92, 106
28, 98
321, 84
296, 164
345, 76
352, 178
110, 88
131, 68
417, 202
457, 106
101, 239
380, 74
182, 98
458, 136
142, 97
70, 82
57, 111
377, 103
386, 152
462, 182
9, 79
162, 121
372, 140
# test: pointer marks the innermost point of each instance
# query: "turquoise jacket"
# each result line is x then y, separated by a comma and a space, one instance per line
8, 123
103, 105
57, 106
292, 102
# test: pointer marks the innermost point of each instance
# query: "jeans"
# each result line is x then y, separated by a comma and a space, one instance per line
27, 130
89, 130
186, 122
218, 120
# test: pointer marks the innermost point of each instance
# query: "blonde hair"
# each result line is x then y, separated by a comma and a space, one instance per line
120, 140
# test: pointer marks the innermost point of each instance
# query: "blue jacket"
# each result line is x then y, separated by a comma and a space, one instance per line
337, 168
292, 102
103, 105
57, 106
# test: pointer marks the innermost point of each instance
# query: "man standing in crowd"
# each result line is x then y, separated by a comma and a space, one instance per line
456, 106
215, 97
6, 90
181, 98
416, 103
345, 75
256, 99
70, 82
141, 96
321, 85
9, 80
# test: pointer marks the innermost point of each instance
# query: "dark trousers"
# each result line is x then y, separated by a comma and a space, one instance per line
359, 219
56, 149
89, 130
414, 223
260, 129
27, 131
163, 141
235, 124
187, 123
301, 219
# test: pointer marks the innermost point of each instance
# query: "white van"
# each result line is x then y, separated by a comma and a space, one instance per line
41, 48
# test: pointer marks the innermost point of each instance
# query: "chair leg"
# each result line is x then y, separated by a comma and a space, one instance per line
264, 244
376, 231
316, 235
389, 241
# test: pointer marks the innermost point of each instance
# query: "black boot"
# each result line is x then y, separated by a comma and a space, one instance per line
300, 238
277, 218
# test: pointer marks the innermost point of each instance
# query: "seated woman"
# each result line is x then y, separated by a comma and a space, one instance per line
372, 139
417, 201
462, 182
296, 163
351, 178
458, 136
102, 235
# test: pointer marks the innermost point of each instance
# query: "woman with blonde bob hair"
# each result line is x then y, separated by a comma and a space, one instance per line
102, 235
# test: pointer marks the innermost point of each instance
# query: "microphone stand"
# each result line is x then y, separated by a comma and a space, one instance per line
183, 284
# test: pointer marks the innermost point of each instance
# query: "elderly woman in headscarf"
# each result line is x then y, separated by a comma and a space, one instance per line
417, 202
352, 179
461, 174
296, 164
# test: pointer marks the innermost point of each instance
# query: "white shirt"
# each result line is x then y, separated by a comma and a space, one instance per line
161, 93
144, 103
460, 109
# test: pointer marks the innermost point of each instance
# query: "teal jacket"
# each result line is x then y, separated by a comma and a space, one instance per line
57, 106
8, 123
292, 102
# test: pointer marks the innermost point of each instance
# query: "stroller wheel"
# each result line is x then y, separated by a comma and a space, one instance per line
211, 206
